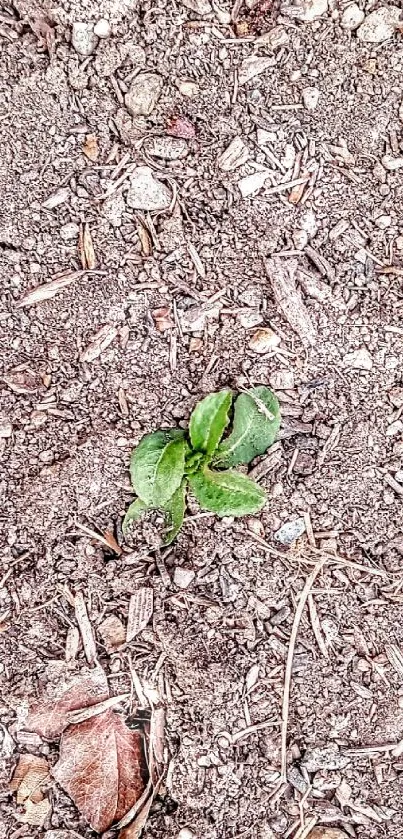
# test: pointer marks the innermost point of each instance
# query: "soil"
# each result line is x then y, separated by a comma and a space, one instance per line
71, 416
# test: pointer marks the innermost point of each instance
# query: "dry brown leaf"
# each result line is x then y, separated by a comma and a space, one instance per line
140, 610
91, 147
162, 319
100, 341
48, 290
136, 827
29, 780
36, 813
86, 248
51, 716
101, 768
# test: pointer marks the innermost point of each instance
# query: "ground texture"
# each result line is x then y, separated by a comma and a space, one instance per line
322, 106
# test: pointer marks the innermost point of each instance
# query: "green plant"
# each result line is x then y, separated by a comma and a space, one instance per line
165, 462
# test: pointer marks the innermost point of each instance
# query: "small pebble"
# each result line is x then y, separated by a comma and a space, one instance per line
325, 832
264, 340
103, 28
399, 476
83, 38
396, 396
310, 98
69, 231
352, 17
6, 429
392, 163
143, 95
359, 359
324, 757
146, 192
383, 222
183, 577
290, 531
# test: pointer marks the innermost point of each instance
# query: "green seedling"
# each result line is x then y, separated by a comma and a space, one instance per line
167, 463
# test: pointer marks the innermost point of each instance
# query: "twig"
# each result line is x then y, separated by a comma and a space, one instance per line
85, 628
290, 657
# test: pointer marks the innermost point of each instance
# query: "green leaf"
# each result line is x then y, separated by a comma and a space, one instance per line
134, 513
227, 493
175, 511
194, 461
209, 421
255, 427
157, 466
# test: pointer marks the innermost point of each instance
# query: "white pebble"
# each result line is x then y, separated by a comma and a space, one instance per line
383, 222
352, 17
102, 28
379, 25
83, 38
359, 359
392, 163
310, 98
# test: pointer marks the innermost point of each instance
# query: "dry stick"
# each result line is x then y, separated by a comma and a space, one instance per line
288, 670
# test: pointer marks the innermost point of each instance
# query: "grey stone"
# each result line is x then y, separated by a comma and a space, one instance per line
324, 757
145, 192
290, 531
145, 90
170, 148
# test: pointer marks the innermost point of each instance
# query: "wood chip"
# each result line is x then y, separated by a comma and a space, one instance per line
200, 269
140, 611
86, 248
85, 628
48, 290
235, 155
281, 273
100, 341
91, 148
395, 657
253, 66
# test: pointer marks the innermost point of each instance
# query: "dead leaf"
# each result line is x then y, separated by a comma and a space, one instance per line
181, 127
48, 290
91, 147
162, 319
50, 716
101, 768
136, 827
30, 779
140, 611
86, 248
100, 341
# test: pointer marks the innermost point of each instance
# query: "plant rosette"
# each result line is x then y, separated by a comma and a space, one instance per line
167, 464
